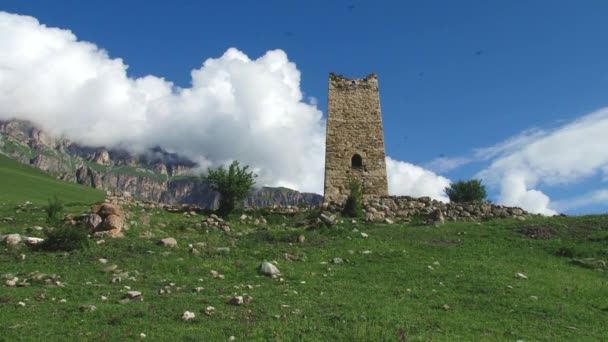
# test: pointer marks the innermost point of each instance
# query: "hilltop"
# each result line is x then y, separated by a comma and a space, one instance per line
541, 279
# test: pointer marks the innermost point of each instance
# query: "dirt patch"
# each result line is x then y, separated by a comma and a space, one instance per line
446, 243
538, 232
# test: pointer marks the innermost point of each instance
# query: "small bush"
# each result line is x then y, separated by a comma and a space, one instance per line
65, 238
54, 208
233, 185
466, 191
353, 206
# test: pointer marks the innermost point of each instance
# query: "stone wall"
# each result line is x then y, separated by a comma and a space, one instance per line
405, 208
354, 127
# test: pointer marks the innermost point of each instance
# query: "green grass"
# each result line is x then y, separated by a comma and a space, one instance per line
20, 183
390, 294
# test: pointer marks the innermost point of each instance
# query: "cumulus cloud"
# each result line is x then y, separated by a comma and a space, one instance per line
408, 179
562, 156
237, 108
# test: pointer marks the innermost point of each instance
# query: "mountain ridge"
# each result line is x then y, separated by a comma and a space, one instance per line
156, 175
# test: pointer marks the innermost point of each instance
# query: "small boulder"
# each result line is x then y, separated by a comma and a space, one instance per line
168, 242
12, 239
521, 276
111, 222
188, 316
133, 294
327, 218
268, 269
236, 300
107, 209
91, 221
33, 241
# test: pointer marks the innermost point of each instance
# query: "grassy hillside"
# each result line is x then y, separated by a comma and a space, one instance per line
20, 183
454, 282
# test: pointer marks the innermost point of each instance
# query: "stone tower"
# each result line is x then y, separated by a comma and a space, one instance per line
354, 144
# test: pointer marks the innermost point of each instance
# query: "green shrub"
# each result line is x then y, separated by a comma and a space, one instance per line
65, 238
466, 191
233, 185
54, 208
353, 206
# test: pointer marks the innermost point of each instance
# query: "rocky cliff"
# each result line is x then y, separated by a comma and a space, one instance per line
157, 175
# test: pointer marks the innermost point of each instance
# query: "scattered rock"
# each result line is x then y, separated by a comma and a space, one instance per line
210, 310
223, 250
327, 218
301, 238
32, 241
268, 269
364, 235
188, 316
87, 308
521, 276
236, 300
12, 239
110, 268
388, 221
337, 261
133, 294
168, 242
91, 221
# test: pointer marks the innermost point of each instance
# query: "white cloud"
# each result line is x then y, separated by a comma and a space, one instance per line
236, 109
408, 179
581, 201
565, 155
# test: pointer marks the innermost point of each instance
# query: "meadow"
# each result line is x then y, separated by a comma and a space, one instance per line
398, 282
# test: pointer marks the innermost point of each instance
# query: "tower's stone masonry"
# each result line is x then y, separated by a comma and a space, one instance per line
354, 139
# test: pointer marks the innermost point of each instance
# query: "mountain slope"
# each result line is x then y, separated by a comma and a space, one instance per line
20, 183
156, 175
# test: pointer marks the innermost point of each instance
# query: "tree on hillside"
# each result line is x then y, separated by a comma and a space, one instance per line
233, 185
466, 191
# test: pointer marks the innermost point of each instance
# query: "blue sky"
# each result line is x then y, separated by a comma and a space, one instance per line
454, 76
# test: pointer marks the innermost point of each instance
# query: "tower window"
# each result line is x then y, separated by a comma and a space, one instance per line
357, 161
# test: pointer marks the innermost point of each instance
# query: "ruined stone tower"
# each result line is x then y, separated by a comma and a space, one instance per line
354, 144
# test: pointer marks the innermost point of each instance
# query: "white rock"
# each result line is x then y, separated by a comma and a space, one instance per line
142, 335
521, 276
133, 294
33, 240
210, 310
21, 304
268, 269
168, 242
364, 235
12, 239
188, 316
